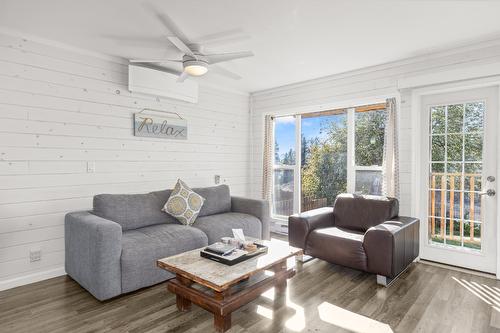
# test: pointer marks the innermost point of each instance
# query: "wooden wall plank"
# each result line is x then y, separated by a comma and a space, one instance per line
61, 109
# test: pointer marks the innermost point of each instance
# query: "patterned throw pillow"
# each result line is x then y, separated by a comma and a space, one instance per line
184, 204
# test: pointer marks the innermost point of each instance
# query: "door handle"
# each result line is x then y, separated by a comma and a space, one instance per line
490, 193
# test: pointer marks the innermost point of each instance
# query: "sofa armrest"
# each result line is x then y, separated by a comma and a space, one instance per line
93, 247
300, 225
255, 207
391, 246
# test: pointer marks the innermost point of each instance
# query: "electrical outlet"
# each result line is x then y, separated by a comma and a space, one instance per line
90, 167
35, 255
217, 179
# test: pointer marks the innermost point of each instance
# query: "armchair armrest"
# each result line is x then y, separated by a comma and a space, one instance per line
93, 247
255, 207
300, 225
391, 246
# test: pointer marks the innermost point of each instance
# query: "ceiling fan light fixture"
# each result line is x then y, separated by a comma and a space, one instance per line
195, 68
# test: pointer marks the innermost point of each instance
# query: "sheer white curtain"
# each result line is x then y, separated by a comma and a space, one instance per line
390, 166
267, 170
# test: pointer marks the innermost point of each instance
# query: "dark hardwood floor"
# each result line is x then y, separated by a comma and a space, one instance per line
320, 298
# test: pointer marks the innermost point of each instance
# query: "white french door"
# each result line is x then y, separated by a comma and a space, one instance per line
459, 170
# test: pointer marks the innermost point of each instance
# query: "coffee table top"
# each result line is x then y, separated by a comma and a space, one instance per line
220, 277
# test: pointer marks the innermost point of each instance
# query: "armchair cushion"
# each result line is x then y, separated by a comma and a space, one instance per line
339, 246
360, 212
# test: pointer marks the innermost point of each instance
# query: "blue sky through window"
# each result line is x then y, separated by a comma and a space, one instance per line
311, 128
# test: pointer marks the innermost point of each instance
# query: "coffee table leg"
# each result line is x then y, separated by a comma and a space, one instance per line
280, 286
222, 323
183, 304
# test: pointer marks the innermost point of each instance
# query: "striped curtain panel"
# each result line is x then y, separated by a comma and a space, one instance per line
267, 170
390, 165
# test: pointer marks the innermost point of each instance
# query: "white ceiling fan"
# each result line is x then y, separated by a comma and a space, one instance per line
195, 62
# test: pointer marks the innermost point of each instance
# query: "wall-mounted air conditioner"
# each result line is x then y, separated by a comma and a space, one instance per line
158, 83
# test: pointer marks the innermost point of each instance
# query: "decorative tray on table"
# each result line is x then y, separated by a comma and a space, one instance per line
227, 256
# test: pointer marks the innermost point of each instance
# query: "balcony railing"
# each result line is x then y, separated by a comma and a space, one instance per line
285, 207
460, 200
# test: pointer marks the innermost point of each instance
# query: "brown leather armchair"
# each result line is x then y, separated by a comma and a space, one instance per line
361, 232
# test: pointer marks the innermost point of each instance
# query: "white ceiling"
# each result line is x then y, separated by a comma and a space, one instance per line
293, 40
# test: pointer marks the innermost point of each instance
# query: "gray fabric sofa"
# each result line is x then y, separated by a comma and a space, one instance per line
113, 249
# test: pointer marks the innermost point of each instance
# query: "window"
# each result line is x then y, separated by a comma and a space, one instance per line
319, 155
369, 127
323, 158
284, 166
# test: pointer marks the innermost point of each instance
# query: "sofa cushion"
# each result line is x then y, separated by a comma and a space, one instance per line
339, 246
361, 212
184, 204
217, 199
220, 225
132, 211
142, 247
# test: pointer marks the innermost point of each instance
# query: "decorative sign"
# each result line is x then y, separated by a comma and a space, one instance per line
159, 127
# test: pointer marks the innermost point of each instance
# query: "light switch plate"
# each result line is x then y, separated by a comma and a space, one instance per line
90, 167
217, 179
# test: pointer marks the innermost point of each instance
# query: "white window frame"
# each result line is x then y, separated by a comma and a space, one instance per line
351, 161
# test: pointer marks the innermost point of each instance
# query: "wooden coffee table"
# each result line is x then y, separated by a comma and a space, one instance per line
222, 289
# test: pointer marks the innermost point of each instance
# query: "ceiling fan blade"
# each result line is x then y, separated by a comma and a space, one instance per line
215, 58
181, 45
158, 61
172, 28
227, 40
224, 72
182, 77
220, 35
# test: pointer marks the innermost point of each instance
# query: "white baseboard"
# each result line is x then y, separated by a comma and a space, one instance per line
31, 278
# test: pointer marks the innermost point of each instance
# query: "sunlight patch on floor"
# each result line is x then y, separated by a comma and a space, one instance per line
489, 295
350, 320
295, 323
265, 312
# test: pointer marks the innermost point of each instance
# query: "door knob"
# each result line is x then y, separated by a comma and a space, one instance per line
490, 193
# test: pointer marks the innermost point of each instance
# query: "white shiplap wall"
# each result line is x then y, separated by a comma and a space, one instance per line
369, 85
59, 109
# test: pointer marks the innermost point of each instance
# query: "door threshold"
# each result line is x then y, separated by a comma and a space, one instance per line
458, 269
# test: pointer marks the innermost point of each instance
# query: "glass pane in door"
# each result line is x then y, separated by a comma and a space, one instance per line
324, 158
455, 174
